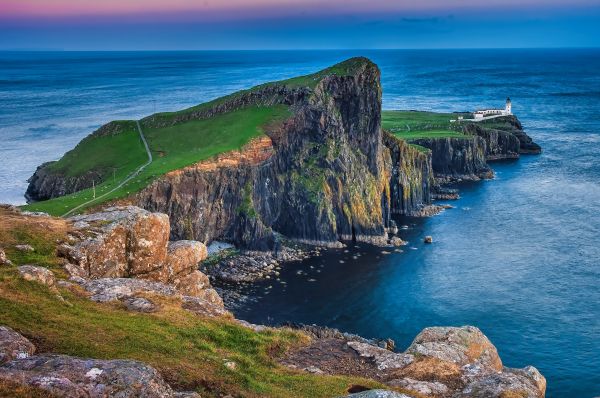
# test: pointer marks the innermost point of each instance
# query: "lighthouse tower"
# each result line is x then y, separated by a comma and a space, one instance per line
508, 108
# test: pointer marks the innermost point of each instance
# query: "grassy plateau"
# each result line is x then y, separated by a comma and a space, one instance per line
411, 125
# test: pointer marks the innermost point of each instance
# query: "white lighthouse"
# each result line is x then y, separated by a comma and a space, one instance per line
508, 107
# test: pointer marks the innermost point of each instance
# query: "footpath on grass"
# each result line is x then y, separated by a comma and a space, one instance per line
125, 181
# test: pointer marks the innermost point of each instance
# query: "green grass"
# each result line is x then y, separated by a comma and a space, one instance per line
172, 147
110, 155
420, 148
345, 68
411, 125
188, 350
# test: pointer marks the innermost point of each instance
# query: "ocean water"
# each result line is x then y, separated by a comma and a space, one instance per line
518, 256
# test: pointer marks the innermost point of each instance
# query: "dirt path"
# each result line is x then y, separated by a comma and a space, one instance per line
125, 181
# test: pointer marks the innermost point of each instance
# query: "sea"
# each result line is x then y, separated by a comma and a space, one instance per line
518, 256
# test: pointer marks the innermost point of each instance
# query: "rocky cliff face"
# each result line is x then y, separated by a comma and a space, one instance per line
466, 158
411, 176
458, 157
45, 184
324, 175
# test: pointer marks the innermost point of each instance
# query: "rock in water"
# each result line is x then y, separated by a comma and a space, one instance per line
428, 239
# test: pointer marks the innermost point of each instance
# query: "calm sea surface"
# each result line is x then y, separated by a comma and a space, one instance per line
518, 257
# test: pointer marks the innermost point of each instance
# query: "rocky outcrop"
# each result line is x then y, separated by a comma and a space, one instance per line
123, 252
513, 126
441, 362
457, 157
46, 184
37, 274
499, 144
13, 346
504, 137
66, 376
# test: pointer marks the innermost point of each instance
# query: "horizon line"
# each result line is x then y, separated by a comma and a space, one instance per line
302, 49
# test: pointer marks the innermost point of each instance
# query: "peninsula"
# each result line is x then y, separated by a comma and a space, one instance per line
103, 275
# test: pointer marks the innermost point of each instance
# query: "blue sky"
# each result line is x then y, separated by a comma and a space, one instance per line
290, 24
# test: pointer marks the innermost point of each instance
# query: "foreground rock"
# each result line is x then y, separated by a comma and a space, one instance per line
441, 362
379, 394
3, 259
66, 376
13, 345
123, 253
37, 274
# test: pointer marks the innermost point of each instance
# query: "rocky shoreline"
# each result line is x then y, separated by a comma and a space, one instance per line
122, 254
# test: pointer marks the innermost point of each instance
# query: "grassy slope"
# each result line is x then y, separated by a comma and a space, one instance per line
121, 153
189, 351
410, 125
173, 147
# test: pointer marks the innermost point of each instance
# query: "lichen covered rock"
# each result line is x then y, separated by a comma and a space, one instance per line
71, 377
120, 241
13, 345
38, 274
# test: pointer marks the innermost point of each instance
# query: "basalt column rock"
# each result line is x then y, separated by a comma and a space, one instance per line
321, 176
457, 157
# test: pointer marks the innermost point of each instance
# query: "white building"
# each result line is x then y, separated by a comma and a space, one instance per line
483, 113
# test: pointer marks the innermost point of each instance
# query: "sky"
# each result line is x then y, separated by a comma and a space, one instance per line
296, 24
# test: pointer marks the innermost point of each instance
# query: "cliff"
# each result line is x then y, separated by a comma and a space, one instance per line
457, 157
324, 175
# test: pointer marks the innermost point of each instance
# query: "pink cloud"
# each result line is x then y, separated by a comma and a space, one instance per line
61, 8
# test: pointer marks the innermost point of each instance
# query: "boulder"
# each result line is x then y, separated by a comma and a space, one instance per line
379, 394
13, 345
37, 274
192, 284
108, 289
118, 242
521, 383
465, 345
382, 358
422, 387
72, 377
185, 255
182, 259
139, 304
205, 307
3, 259
24, 248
